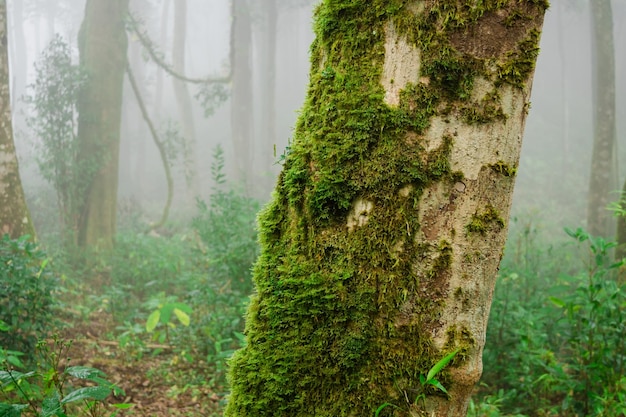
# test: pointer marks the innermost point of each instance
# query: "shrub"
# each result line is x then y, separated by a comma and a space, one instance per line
26, 293
226, 227
53, 389
556, 341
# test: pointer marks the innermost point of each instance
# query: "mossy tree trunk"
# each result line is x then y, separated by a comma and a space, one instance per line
102, 45
380, 248
14, 217
603, 182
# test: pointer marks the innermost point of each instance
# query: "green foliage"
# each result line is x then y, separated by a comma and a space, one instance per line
140, 267
227, 228
26, 294
54, 122
557, 333
228, 248
51, 390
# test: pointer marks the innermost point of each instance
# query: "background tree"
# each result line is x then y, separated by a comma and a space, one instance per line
242, 114
14, 216
53, 102
102, 45
603, 181
183, 98
380, 248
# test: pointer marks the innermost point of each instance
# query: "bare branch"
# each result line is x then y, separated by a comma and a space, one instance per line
159, 145
134, 26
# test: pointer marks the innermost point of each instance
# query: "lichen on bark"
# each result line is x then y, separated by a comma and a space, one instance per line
364, 250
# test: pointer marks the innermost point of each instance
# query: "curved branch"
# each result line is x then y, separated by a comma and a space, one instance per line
159, 145
159, 58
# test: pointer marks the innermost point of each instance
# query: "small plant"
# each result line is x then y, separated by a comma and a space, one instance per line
425, 381
50, 390
166, 308
26, 293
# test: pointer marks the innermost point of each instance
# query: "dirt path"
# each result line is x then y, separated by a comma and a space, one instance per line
160, 385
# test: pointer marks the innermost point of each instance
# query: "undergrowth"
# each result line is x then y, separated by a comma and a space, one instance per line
556, 336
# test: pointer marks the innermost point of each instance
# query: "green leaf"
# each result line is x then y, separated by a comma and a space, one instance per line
182, 317
87, 393
14, 376
4, 327
557, 302
153, 320
122, 406
84, 372
12, 410
166, 313
437, 384
440, 365
382, 407
182, 306
50, 406
15, 361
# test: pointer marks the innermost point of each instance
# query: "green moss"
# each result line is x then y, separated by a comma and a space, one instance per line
486, 221
487, 111
339, 321
503, 168
520, 64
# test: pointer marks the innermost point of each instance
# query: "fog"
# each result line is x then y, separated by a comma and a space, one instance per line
553, 175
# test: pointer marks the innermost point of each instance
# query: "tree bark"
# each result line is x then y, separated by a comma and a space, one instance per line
380, 248
14, 217
102, 45
242, 116
602, 181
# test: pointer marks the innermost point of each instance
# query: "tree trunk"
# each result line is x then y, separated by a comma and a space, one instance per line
14, 217
380, 248
242, 116
102, 46
602, 181
267, 93
19, 55
620, 251
185, 107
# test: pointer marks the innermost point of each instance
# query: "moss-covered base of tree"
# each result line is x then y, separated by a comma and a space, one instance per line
346, 295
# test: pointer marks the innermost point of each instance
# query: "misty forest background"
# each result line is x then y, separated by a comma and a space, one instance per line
162, 310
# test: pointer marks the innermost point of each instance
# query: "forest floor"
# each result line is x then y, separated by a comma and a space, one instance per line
155, 385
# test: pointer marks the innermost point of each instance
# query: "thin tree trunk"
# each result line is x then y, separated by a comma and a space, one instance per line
565, 100
185, 108
19, 53
102, 45
380, 248
602, 182
14, 217
158, 94
242, 116
267, 93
